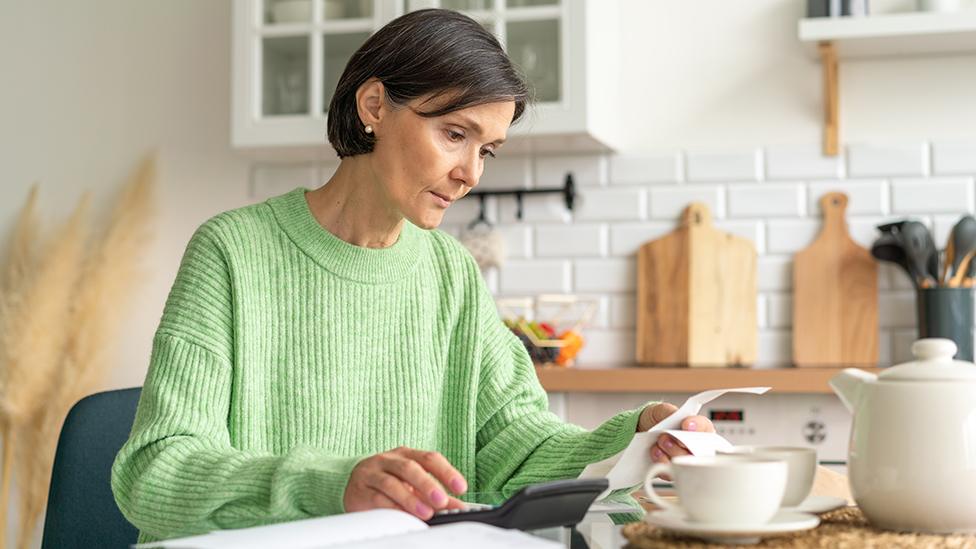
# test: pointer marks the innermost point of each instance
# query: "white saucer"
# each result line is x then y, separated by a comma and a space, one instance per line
817, 505
784, 522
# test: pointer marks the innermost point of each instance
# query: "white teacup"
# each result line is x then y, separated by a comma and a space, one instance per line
722, 489
801, 463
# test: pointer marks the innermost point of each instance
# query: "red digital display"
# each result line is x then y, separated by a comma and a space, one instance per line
726, 415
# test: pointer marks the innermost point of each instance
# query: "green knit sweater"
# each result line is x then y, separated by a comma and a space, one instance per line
285, 355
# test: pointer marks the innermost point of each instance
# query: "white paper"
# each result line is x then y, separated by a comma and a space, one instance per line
701, 444
469, 535
629, 466
303, 534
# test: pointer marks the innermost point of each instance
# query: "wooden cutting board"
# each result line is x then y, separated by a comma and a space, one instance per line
835, 296
696, 296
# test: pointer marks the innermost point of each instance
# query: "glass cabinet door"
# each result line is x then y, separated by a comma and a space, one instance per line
303, 47
531, 32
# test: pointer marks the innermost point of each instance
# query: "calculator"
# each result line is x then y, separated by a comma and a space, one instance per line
557, 503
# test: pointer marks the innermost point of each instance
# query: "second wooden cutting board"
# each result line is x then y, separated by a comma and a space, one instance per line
696, 296
835, 296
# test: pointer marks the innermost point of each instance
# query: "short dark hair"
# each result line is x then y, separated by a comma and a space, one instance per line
425, 52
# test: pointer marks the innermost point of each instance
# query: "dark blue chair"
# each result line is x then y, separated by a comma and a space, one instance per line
81, 511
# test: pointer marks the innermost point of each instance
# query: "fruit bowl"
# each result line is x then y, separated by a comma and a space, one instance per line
550, 325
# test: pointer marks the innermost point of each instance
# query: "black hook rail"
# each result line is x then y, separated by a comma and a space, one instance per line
568, 190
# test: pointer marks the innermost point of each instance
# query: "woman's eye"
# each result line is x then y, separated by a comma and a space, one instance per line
454, 136
487, 152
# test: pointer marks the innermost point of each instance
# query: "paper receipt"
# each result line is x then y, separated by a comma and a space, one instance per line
629, 466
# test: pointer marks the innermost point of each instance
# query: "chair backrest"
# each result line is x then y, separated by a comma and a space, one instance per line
81, 510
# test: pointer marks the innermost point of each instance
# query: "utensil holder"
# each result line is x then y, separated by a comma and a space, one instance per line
949, 313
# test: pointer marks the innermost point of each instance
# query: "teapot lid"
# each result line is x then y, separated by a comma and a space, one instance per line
933, 363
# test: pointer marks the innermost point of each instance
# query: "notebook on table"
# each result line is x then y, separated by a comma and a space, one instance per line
363, 530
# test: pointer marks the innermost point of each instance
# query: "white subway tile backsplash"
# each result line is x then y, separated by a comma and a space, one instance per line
749, 229
775, 273
605, 275
902, 345
623, 310
627, 238
508, 172
577, 240
869, 160
954, 158
724, 166
608, 348
587, 170
896, 309
775, 349
540, 207
518, 241
780, 309
769, 196
885, 344
863, 197
612, 205
670, 201
639, 169
534, 277
935, 195
790, 235
864, 230
491, 280
762, 315
466, 210
766, 200
801, 162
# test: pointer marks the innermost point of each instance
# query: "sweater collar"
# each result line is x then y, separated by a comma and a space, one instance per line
369, 265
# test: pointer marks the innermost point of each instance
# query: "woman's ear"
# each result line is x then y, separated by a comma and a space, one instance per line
370, 102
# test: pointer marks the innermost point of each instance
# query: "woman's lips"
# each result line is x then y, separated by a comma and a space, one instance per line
441, 200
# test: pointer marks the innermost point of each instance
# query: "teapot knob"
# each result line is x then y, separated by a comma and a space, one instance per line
934, 347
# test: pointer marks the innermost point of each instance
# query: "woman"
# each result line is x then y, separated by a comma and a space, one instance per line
327, 351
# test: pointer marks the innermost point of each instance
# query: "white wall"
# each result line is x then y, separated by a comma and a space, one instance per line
713, 73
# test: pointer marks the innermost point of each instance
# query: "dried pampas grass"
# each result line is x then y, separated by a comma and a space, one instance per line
92, 309
18, 263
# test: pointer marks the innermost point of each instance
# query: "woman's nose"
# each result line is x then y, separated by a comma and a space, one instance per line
468, 170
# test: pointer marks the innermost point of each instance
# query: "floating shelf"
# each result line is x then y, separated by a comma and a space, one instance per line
684, 380
831, 39
898, 34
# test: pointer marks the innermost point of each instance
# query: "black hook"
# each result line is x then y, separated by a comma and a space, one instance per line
482, 218
569, 191
518, 206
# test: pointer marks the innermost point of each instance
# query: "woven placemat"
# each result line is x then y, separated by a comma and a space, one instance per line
841, 529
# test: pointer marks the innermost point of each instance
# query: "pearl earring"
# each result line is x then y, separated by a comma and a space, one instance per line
368, 129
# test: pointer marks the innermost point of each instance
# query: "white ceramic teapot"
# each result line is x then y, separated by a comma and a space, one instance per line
912, 456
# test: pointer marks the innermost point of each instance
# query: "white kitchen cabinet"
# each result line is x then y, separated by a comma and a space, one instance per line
289, 54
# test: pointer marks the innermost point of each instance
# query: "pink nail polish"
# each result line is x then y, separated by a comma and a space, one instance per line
458, 485
692, 426
423, 510
439, 498
668, 444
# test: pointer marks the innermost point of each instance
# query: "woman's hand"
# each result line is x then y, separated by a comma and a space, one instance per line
667, 446
405, 479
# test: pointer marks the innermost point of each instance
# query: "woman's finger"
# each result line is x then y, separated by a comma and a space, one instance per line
698, 423
436, 464
396, 490
670, 446
423, 486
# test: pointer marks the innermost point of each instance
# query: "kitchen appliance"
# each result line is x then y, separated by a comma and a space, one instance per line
912, 450
696, 296
835, 296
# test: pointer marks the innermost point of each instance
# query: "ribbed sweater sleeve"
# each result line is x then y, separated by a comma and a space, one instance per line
178, 474
519, 440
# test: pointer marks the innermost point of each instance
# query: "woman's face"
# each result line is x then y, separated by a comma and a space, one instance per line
424, 164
